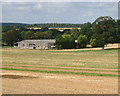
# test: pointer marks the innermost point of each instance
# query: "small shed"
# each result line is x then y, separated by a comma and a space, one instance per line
37, 44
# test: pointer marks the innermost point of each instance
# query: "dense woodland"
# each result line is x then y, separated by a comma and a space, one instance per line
102, 31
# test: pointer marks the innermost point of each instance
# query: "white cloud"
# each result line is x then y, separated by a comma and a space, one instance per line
56, 11
17, 0
15, 6
113, 8
23, 8
90, 14
60, 1
38, 6
102, 8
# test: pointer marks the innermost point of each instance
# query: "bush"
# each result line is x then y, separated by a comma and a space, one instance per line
97, 42
58, 41
65, 42
82, 41
10, 37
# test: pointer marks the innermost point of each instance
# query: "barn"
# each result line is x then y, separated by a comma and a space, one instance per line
37, 44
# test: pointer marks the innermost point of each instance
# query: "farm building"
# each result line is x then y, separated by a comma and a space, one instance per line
37, 44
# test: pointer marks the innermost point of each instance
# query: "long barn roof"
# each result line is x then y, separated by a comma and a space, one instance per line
39, 41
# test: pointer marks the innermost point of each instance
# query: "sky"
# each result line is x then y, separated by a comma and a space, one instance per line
57, 12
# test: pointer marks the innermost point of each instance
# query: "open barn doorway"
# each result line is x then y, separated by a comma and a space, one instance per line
34, 47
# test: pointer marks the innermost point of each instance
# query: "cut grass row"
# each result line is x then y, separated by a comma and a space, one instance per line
65, 65
48, 69
61, 72
106, 50
99, 59
67, 68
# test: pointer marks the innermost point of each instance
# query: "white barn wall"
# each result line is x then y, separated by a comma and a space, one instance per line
36, 44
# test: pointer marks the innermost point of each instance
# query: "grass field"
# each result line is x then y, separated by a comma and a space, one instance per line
80, 62
59, 71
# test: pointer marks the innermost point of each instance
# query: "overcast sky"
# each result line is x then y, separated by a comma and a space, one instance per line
59, 12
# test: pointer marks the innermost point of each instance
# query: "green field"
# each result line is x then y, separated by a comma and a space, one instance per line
93, 63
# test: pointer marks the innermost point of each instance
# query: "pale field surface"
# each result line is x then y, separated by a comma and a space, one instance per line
43, 83
0, 72
75, 71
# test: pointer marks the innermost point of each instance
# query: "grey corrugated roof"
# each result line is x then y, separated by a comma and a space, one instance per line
39, 41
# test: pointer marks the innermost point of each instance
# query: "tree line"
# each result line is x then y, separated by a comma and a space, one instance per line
48, 25
102, 31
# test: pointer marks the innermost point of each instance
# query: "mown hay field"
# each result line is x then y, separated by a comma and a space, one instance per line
79, 62
59, 71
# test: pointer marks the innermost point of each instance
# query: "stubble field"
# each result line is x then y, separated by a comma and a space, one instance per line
59, 71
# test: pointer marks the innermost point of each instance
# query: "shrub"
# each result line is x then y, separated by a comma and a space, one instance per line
97, 42
82, 41
65, 41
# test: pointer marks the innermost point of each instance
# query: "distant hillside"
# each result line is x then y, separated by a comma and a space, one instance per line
12, 24
57, 25
49, 25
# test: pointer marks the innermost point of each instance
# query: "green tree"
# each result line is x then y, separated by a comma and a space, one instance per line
66, 31
82, 41
44, 29
105, 22
117, 34
97, 42
86, 29
39, 35
48, 34
65, 41
75, 33
111, 39
59, 42
27, 35
44, 35
55, 32
105, 26
11, 37
68, 41
8, 28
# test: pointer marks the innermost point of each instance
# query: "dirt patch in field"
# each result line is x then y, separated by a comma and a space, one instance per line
17, 77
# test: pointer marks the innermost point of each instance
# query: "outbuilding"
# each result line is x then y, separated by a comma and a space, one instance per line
37, 44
